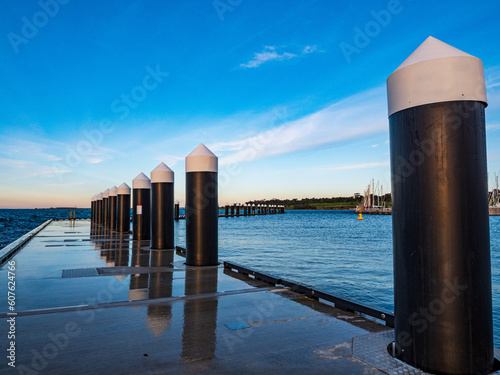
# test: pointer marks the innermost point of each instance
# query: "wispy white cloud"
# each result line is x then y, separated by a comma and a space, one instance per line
270, 53
169, 160
358, 116
359, 166
44, 171
492, 77
311, 49
16, 169
15, 147
14, 163
90, 153
493, 127
76, 183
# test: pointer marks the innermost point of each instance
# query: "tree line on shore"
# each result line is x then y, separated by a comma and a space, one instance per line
312, 203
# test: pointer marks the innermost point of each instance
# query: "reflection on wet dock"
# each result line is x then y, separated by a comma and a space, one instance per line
102, 303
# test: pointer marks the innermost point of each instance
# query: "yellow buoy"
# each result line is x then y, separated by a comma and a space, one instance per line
360, 217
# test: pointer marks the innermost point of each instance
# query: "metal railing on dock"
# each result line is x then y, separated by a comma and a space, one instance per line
309, 291
8, 251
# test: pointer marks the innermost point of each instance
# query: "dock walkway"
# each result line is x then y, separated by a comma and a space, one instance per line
92, 303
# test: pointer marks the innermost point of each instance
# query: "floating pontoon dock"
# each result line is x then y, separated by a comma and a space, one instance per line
104, 304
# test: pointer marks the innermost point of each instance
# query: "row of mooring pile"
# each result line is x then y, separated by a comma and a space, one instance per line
154, 210
111, 209
252, 209
441, 240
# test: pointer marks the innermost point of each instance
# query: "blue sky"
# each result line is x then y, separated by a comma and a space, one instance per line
94, 93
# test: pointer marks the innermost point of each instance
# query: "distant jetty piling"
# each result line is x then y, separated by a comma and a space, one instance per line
253, 209
226, 210
99, 209
162, 208
123, 208
442, 276
141, 210
112, 199
232, 210
202, 209
105, 216
92, 209
237, 209
176, 210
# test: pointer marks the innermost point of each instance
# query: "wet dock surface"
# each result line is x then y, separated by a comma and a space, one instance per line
98, 304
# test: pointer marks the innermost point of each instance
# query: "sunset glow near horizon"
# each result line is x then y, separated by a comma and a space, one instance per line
291, 96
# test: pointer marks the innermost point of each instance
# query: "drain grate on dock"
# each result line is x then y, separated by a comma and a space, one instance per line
79, 272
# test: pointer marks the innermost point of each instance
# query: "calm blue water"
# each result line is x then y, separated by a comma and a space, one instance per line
15, 223
328, 249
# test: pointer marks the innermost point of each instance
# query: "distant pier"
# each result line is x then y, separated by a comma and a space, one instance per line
494, 211
374, 210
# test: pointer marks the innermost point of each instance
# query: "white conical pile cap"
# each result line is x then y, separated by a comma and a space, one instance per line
177, 202
162, 173
436, 72
113, 191
201, 160
105, 193
99, 196
141, 182
123, 189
